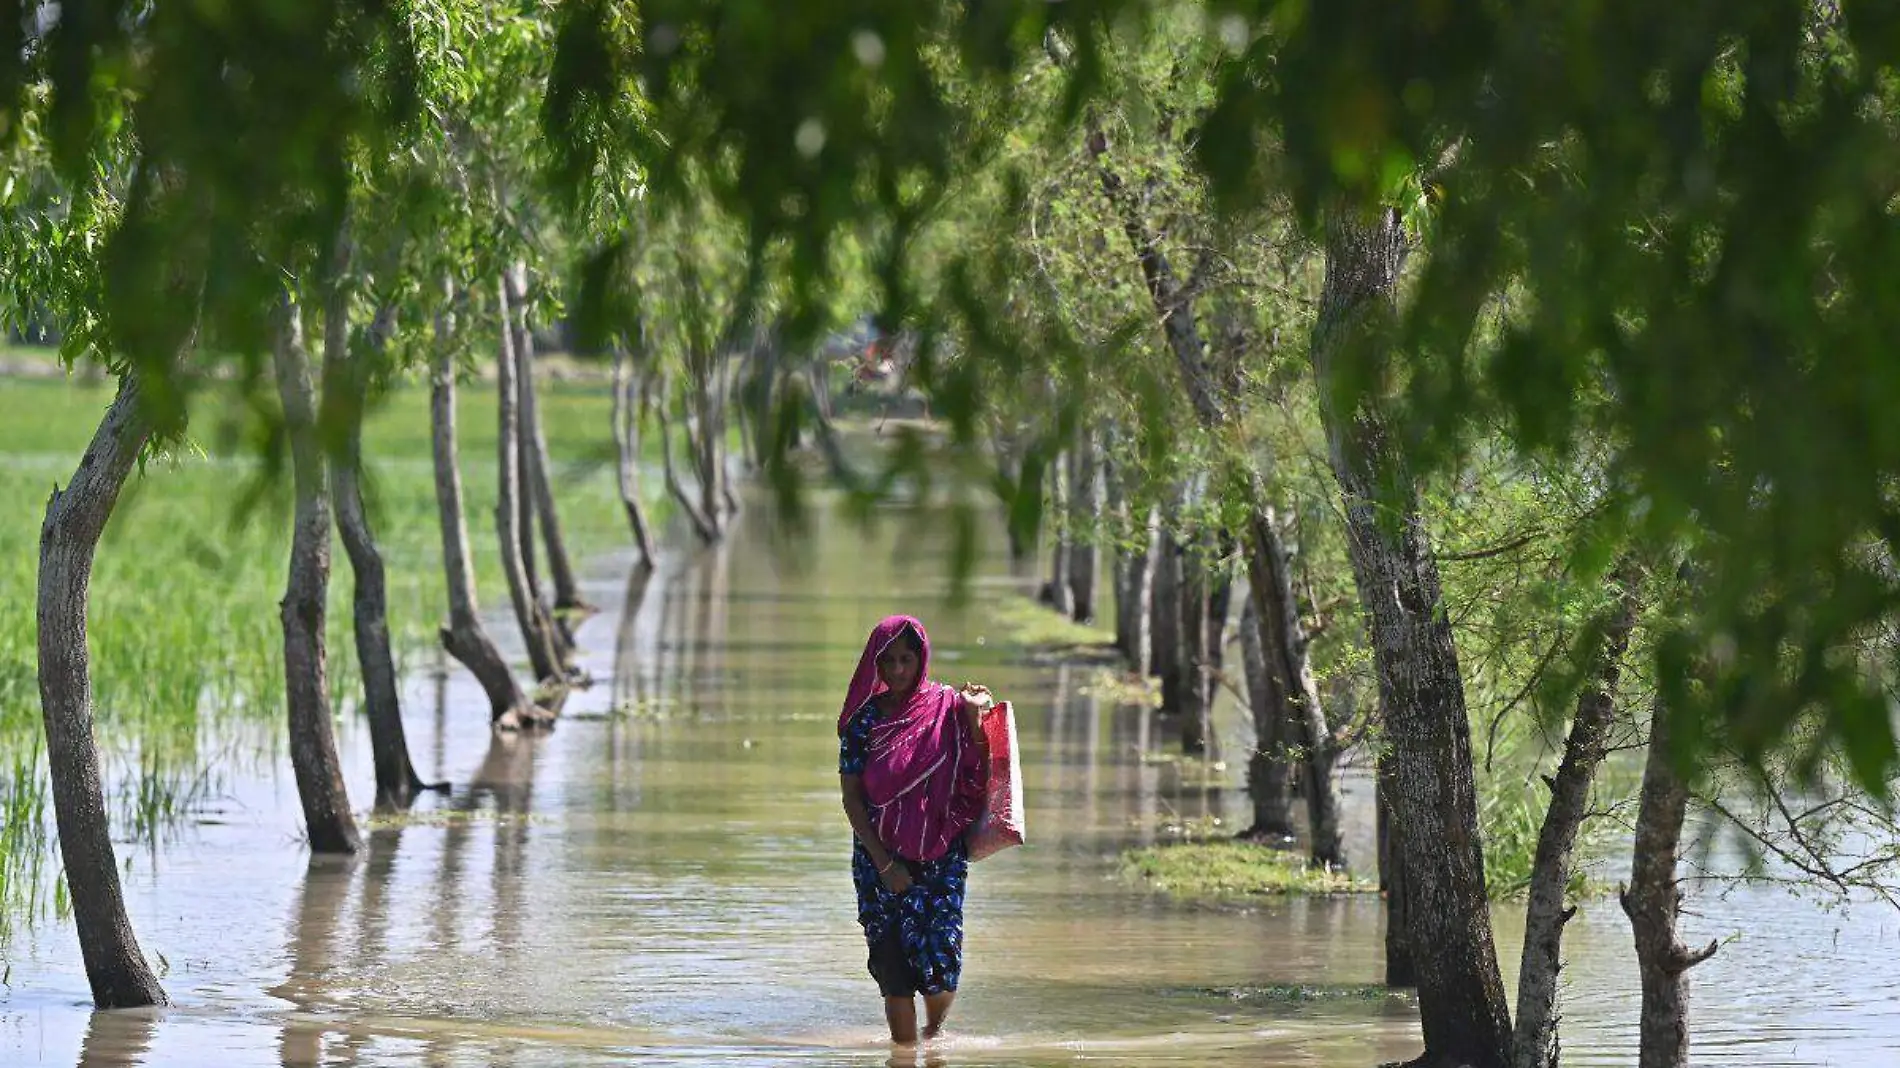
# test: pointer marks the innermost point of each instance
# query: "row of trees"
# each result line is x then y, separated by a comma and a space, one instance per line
1601, 284
427, 250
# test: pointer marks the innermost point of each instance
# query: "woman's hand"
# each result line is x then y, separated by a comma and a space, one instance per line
896, 878
977, 701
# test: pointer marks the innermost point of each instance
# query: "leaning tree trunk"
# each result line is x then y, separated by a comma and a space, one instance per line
326, 804
1545, 915
1269, 771
626, 427
346, 393
537, 476
1085, 513
1056, 592
465, 638
69, 536
1652, 901
1400, 971
1434, 799
537, 630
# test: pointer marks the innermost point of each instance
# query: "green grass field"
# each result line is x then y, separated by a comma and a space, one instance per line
184, 629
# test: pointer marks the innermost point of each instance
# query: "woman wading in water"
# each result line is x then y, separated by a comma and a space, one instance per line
914, 767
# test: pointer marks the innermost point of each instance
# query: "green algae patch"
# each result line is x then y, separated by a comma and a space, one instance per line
1228, 869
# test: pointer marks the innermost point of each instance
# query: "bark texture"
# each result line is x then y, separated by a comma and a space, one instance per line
1433, 797
75, 518
536, 474
1653, 901
537, 629
463, 636
1400, 971
326, 804
1269, 785
1545, 915
1284, 640
346, 394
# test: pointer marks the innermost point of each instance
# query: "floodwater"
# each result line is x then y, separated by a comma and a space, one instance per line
663, 880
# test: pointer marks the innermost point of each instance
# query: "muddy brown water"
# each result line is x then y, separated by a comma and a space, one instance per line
663, 880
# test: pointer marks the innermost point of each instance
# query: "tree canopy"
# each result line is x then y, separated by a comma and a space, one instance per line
1669, 236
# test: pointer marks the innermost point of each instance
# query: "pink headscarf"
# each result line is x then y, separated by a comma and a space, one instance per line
924, 778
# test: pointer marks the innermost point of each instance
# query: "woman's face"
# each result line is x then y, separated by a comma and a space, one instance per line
897, 666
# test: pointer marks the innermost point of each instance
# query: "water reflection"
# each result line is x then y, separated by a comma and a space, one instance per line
663, 880
117, 1037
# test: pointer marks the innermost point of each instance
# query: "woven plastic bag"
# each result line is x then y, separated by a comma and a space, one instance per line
1001, 824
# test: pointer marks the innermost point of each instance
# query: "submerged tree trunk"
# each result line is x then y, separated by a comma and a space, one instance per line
326, 804
1652, 901
345, 396
536, 475
118, 972
1085, 513
464, 637
1536, 1043
626, 429
537, 630
1434, 797
1269, 771
1400, 972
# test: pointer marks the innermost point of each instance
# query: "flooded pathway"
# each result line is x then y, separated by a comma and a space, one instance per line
663, 881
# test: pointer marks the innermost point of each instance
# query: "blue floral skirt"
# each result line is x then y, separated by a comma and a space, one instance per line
915, 938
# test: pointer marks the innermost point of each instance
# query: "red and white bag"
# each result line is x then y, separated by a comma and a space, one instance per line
1001, 824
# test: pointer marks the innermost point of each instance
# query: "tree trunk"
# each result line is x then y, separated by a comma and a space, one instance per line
536, 475
626, 427
1215, 400
346, 395
326, 804
1164, 626
1192, 688
464, 637
1283, 636
1085, 512
1400, 971
705, 526
1056, 592
69, 537
1138, 588
537, 630
1269, 769
1434, 798
1652, 901
1536, 1044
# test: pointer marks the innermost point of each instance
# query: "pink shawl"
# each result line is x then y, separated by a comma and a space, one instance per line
924, 778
